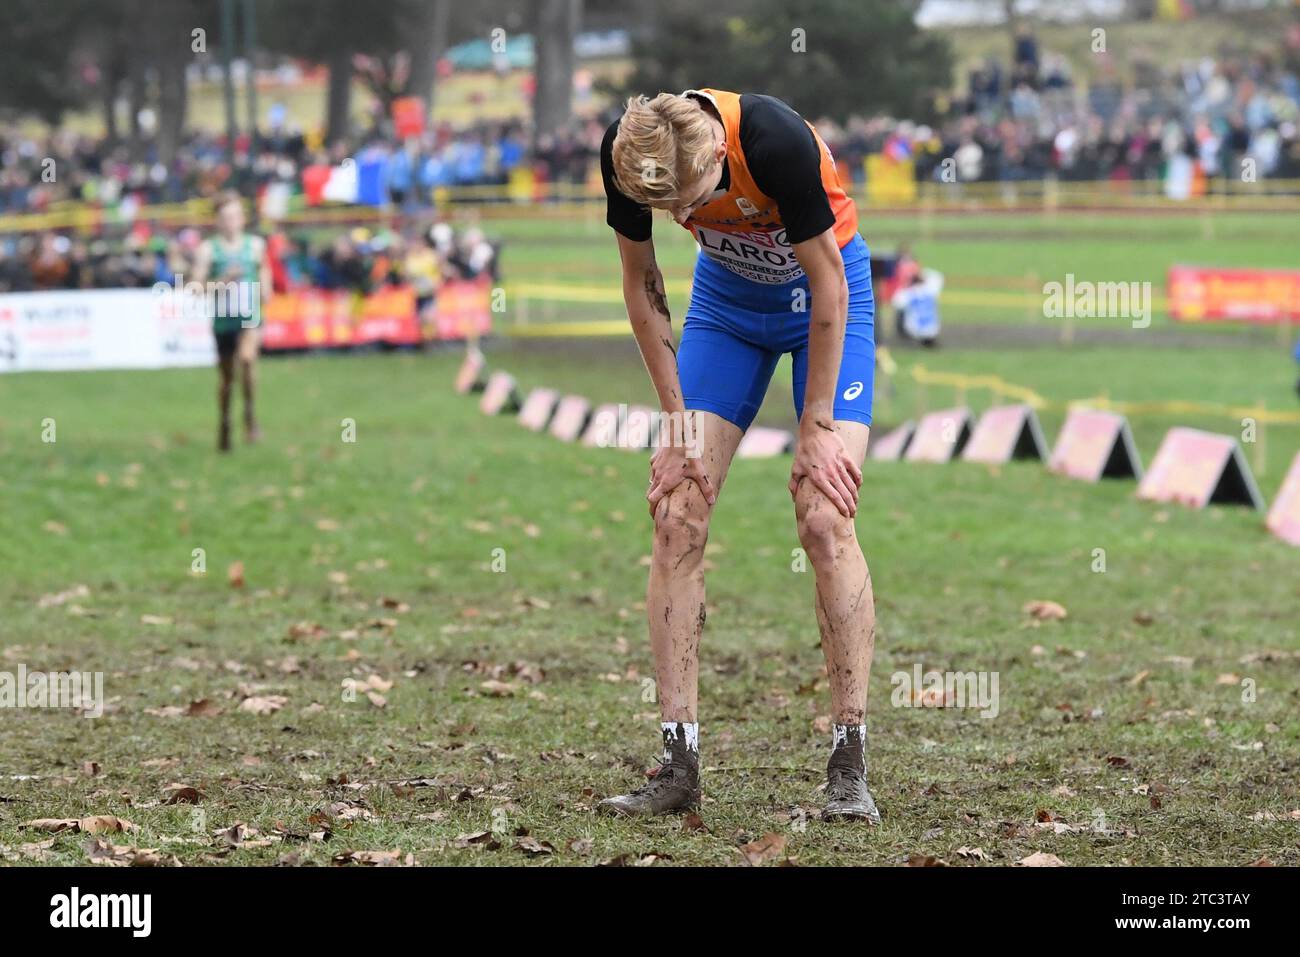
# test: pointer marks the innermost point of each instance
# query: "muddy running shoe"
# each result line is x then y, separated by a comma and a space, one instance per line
847, 797
674, 787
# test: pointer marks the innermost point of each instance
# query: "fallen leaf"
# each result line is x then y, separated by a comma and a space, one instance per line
533, 847
693, 822
1039, 859
766, 848
1044, 610
203, 708
267, 704
99, 824
375, 858
58, 598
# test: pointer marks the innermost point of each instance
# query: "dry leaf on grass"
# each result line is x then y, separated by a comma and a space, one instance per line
99, 824
533, 847
100, 851
375, 858
766, 848
1039, 859
58, 598
263, 704
1044, 610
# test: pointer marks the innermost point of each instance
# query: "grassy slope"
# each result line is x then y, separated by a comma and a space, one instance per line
430, 488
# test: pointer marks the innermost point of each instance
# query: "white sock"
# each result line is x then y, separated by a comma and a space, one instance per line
689, 730
852, 736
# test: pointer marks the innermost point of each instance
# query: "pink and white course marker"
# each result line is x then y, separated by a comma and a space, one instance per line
538, 409
1006, 432
891, 446
763, 443
469, 378
501, 395
570, 419
940, 436
1284, 518
1095, 445
1195, 468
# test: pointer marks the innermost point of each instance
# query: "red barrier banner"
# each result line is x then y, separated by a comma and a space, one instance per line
1198, 294
322, 318
1284, 518
464, 309
1195, 468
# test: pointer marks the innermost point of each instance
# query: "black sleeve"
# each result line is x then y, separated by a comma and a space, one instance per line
785, 161
621, 214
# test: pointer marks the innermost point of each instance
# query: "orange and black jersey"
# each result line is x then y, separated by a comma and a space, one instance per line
778, 179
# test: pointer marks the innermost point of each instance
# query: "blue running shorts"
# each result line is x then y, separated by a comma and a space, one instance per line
736, 330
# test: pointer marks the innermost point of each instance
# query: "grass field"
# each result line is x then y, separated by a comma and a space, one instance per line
561, 265
517, 697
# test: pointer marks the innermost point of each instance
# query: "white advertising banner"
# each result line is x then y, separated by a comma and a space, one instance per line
102, 329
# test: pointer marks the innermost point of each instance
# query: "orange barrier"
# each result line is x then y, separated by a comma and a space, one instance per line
329, 318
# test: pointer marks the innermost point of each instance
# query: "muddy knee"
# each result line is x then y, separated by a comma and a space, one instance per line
681, 528
823, 531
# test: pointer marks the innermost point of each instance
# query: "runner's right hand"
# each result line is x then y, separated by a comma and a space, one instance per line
669, 467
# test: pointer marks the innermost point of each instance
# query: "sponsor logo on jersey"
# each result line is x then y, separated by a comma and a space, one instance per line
761, 256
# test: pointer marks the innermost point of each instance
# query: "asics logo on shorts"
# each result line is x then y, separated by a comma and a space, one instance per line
853, 391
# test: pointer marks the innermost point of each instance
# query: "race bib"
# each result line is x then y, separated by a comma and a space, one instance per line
757, 255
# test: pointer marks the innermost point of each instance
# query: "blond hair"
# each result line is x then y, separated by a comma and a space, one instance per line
662, 143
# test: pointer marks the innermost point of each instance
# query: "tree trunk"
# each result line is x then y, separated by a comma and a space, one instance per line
557, 22
110, 80
427, 45
173, 55
339, 102
136, 98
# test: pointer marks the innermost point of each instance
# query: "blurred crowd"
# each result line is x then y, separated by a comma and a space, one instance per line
38, 172
358, 259
1028, 119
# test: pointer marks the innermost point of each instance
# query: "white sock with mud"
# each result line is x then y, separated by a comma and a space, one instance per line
850, 741
680, 731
